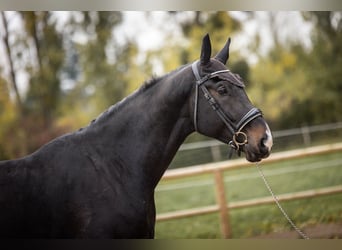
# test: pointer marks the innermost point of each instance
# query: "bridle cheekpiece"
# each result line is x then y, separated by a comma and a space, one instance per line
239, 138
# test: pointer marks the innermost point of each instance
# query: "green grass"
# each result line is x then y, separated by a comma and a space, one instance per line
243, 184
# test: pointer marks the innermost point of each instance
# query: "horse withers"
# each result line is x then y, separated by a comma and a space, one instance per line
99, 181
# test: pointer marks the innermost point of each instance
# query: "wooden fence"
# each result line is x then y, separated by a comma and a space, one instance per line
222, 206
195, 153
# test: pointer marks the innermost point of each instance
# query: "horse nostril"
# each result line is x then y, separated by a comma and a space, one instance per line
263, 141
266, 142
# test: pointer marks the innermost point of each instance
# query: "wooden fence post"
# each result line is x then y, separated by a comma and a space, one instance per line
306, 135
221, 200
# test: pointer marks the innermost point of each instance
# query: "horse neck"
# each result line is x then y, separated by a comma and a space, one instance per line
148, 129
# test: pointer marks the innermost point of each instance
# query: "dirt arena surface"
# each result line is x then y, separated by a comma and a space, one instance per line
320, 231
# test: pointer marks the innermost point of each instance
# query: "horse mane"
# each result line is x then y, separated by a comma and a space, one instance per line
150, 82
155, 79
115, 107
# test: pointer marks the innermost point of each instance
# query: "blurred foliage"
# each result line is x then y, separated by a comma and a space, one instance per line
70, 81
218, 24
43, 95
7, 116
298, 87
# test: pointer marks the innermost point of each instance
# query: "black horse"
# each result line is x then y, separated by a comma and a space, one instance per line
99, 182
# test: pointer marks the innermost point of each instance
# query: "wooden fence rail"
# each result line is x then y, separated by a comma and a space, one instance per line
223, 206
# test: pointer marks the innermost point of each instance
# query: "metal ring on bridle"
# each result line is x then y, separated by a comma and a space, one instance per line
236, 138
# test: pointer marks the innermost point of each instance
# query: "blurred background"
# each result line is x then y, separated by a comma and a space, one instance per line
59, 70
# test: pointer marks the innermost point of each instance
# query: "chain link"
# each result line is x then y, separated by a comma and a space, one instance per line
300, 232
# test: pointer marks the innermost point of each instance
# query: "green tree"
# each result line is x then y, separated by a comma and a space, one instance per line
44, 91
218, 24
297, 86
44, 84
37, 50
108, 70
321, 67
278, 81
6, 41
8, 116
44, 116
324, 64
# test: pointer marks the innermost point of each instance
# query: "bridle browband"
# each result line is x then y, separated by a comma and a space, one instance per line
239, 138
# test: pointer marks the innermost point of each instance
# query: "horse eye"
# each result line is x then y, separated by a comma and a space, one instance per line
222, 90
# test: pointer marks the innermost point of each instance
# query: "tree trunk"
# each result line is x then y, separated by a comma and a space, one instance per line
5, 39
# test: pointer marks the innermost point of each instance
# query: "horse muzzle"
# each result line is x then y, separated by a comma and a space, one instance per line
258, 148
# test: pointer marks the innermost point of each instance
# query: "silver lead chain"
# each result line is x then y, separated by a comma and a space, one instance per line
303, 235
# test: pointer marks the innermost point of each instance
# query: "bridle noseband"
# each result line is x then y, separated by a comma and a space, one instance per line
239, 138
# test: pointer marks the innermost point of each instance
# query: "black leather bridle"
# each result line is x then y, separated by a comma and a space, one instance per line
239, 138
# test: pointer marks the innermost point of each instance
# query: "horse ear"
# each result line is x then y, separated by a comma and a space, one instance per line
223, 55
206, 50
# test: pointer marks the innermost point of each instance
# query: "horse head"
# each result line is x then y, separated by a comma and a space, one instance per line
222, 109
